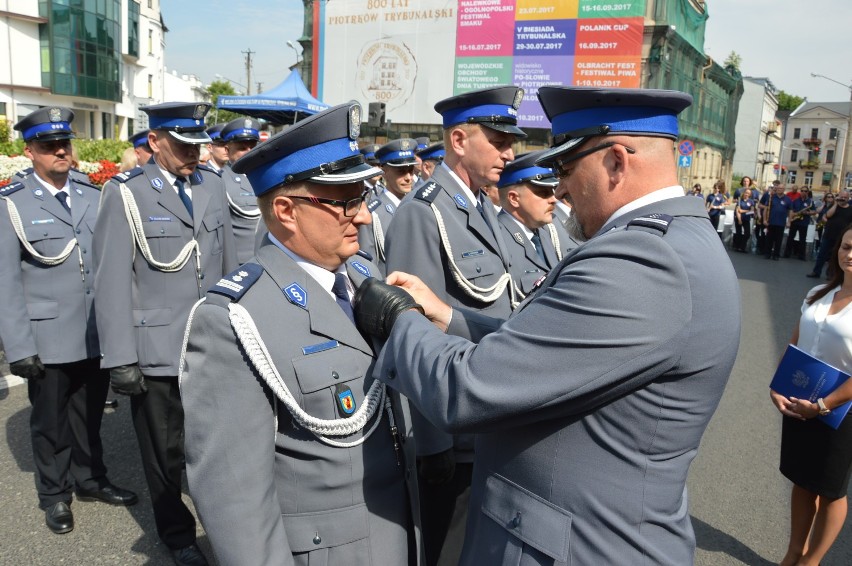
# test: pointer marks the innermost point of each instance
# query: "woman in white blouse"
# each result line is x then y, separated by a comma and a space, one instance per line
815, 457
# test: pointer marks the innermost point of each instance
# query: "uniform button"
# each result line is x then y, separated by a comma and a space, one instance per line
391, 373
143, 321
335, 375
45, 234
162, 231
317, 539
87, 272
83, 250
478, 269
516, 522
88, 292
202, 276
77, 230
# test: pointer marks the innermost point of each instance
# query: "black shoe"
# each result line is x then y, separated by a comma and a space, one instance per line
812, 275
111, 494
59, 518
189, 556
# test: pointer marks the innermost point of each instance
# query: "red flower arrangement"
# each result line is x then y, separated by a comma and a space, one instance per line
107, 171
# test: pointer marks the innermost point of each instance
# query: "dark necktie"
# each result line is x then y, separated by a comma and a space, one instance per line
536, 240
341, 295
481, 210
62, 197
187, 202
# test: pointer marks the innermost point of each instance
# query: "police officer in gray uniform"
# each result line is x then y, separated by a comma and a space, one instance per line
163, 236
47, 318
536, 243
273, 349
217, 148
375, 184
445, 235
141, 148
430, 158
240, 137
591, 400
397, 161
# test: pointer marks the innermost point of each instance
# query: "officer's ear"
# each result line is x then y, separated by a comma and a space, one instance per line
28, 151
617, 163
458, 140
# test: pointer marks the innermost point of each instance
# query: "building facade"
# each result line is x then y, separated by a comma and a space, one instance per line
815, 151
758, 132
103, 59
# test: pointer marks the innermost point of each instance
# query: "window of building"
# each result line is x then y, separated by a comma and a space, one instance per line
150, 3
130, 130
797, 133
815, 133
832, 134
829, 156
133, 29
150, 42
826, 178
150, 86
794, 155
791, 176
809, 178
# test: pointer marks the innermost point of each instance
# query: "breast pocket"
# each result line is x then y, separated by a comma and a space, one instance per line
534, 530
325, 377
154, 343
339, 536
164, 239
215, 228
479, 268
48, 239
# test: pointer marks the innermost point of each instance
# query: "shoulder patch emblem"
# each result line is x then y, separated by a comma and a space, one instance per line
655, 221
236, 283
389, 208
460, 200
157, 183
11, 188
428, 192
38, 192
296, 295
361, 268
518, 237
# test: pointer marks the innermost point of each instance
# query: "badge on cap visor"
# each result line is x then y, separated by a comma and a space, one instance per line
247, 124
55, 115
354, 121
519, 97
200, 111
404, 145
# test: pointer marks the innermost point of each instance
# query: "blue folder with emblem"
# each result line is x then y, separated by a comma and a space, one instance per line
803, 376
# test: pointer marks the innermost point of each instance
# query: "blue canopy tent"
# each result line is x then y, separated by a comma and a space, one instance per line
287, 103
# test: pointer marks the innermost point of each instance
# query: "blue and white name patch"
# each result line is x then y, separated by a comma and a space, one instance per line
157, 183
473, 253
460, 200
45, 221
296, 295
361, 268
236, 283
246, 194
316, 348
159, 219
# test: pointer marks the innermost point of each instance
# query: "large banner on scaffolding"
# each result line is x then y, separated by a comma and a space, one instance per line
411, 53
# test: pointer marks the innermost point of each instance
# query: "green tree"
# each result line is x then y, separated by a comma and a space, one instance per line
734, 61
788, 101
216, 116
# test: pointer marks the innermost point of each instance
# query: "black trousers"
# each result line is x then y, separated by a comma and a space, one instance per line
65, 429
158, 420
774, 237
743, 233
802, 232
443, 516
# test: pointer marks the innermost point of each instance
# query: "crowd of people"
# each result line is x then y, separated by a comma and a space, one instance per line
388, 346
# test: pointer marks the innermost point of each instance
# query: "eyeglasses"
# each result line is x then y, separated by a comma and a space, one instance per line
559, 165
350, 206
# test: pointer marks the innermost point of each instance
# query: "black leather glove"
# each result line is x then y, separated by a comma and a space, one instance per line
127, 380
438, 469
377, 306
28, 368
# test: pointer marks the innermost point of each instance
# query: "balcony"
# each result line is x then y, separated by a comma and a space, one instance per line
809, 163
812, 142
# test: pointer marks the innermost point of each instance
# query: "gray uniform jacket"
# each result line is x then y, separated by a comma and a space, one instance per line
413, 245
381, 212
45, 310
524, 263
243, 205
141, 310
591, 400
287, 497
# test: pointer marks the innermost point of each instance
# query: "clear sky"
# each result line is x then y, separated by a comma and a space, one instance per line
784, 40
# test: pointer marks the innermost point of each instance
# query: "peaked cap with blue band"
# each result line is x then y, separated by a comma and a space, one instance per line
47, 124
139, 138
434, 152
369, 152
422, 143
524, 170
495, 108
241, 129
215, 133
578, 113
183, 120
398, 153
322, 148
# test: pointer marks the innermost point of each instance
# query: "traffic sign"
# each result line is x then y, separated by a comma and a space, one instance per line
684, 161
686, 147
264, 135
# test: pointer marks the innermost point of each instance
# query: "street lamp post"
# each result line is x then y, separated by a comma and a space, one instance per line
842, 177
836, 154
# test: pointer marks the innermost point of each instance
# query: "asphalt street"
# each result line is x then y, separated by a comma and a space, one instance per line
739, 502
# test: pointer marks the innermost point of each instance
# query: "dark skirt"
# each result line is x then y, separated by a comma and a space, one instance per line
816, 457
